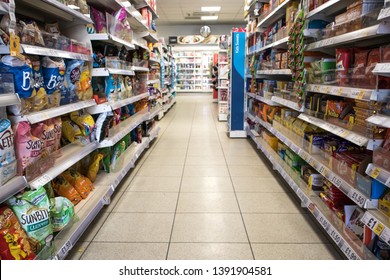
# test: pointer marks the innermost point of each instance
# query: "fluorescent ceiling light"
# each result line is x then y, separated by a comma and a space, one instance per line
211, 9
209, 17
126, 4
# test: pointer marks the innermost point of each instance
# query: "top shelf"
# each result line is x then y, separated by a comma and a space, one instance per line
139, 4
351, 37
55, 9
274, 16
329, 8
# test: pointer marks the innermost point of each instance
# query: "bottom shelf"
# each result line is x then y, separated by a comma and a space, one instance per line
345, 239
105, 186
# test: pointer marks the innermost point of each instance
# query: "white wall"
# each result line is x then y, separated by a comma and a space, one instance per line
177, 30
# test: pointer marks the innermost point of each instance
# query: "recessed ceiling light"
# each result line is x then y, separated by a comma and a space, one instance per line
209, 17
211, 9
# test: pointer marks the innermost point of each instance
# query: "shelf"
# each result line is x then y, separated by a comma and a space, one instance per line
348, 38
384, 14
262, 99
110, 106
111, 39
56, 53
281, 72
349, 135
329, 8
273, 16
382, 69
124, 128
140, 69
293, 141
105, 72
379, 174
88, 209
136, 20
154, 133
70, 154
287, 103
348, 92
12, 187
378, 223
55, 9
282, 43
169, 105
151, 82
139, 4
154, 60
380, 120
353, 248
8, 99
53, 112
222, 117
153, 113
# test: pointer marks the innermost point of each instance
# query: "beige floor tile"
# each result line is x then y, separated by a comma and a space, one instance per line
204, 152
163, 160
244, 160
126, 251
94, 227
250, 171
206, 171
161, 171
208, 228
295, 252
77, 251
210, 251
207, 203
282, 228
169, 152
136, 227
205, 160
147, 202
268, 203
258, 184
206, 184
155, 184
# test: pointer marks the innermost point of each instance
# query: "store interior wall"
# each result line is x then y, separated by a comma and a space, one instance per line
177, 30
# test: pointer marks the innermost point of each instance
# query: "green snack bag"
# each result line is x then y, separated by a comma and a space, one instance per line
106, 159
62, 212
127, 140
49, 190
116, 159
33, 211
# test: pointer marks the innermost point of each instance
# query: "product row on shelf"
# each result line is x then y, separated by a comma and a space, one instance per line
223, 84
193, 69
317, 97
80, 98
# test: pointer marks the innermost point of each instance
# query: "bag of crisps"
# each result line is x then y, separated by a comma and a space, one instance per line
81, 183
14, 244
63, 188
61, 212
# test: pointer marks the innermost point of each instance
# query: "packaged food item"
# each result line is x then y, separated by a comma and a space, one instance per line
30, 33
106, 152
37, 131
85, 83
57, 123
84, 121
98, 88
116, 158
81, 183
23, 82
28, 148
72, 79
381, 249
128, 86
49, 190
94, 167
111, 88
70, 130
14, 243
372, 60
343, 64
61, 213
7, 152
122, 93
63, 188
53, 76
52, 28
99, 19
33, 211
40, 100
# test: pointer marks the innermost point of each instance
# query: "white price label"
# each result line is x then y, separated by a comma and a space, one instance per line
41, 181
322, 170
386, 235
106, 199
324, 222
63, 252
349, 252
336, 181
387, 183
358, 198
335, 235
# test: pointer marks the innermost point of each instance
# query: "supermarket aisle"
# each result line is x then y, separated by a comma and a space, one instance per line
197, 194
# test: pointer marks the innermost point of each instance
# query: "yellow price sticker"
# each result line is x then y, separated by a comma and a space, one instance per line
327, 90
379, 228
361, 94
340, 91
344, 133
375, 173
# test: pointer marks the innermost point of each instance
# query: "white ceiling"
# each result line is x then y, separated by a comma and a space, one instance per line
175, 11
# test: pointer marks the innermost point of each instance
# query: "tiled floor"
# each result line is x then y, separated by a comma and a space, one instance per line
196, 194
